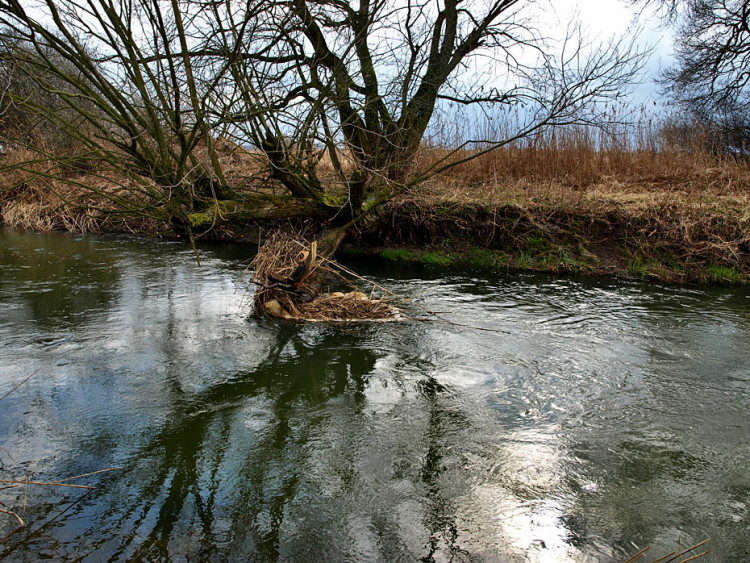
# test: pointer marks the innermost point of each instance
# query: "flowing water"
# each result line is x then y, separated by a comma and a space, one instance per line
587, 419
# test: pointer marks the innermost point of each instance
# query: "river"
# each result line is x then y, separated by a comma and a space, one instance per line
568, 420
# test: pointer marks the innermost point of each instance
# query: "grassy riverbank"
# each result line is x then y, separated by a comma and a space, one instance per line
669, 215
675, 216
664, 235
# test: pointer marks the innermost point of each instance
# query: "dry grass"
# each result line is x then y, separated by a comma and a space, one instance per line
273, 266
79, 201
666, 211
281, 292
346, 307
660, 194
579, 171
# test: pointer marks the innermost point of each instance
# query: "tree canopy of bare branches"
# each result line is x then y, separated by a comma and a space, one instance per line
158, 82
712, 51
711, 75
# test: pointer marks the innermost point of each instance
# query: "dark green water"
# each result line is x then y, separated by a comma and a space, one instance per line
604, 417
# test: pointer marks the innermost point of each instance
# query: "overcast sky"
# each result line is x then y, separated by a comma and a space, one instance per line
604, 19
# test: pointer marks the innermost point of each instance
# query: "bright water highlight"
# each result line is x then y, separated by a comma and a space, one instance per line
587, 420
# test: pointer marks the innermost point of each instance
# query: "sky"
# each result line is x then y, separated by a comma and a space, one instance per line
604, 19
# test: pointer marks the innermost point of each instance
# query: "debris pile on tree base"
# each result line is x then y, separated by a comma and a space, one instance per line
288, 273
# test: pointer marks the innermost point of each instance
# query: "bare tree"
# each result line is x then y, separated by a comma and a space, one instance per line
146, 119
711, 76
300, 81
712, 50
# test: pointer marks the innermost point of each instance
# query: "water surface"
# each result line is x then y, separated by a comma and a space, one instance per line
587, 420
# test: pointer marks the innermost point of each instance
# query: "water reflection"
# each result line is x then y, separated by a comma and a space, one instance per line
57, 283
594, 417
284, 461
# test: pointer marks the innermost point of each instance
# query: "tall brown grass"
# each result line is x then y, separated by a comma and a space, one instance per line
644, 156
648, 162
40, 192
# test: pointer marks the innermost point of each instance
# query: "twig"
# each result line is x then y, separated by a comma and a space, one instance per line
387, 291
694, 557
670, 554
674, 555
6, 453
17, 386
20, 520
407, 300
46, 484
21, 523
446, 321
639, 555
704, 542
34, 531
88, 474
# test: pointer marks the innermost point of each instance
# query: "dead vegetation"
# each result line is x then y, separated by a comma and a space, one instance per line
88, 200
649, 204
678, 556
15, 498
289, 276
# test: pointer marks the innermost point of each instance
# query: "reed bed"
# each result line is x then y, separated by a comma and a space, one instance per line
657, 191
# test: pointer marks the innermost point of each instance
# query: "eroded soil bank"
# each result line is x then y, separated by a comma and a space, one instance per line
666, 242
641, 230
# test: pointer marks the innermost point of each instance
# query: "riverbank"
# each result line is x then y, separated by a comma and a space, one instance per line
664, 217
670, 236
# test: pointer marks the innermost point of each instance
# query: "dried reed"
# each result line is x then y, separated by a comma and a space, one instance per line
674, 556
16, 483
287, 272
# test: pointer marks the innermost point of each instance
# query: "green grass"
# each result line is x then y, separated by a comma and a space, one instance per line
640, 267
537, 245
524, 261
539, 254
720, 274
434, 258
484, 258
438, 258
399, 255
198, 220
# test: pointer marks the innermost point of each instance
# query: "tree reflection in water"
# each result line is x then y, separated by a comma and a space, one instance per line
598, 417
288, 461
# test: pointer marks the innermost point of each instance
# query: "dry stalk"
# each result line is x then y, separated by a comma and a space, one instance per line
21, 523
14, 483
672, 556
287, 271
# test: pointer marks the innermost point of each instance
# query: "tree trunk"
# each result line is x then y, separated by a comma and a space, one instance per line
259, 207
328, 242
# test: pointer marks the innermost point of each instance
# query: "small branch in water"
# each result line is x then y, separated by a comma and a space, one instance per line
640, 554
437, 319
397, 298
89, 474
672, 556
61, 483
688, 550
21, 523
17, 386
45, 484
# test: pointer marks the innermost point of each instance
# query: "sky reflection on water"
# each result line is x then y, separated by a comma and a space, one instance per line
600, 416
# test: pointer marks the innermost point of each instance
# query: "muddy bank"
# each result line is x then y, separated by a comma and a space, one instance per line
670, 243
665, 240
